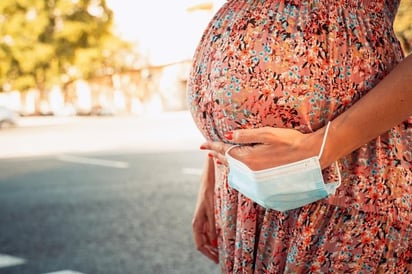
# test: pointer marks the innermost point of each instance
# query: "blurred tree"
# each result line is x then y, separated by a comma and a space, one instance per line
48, 42
403, 25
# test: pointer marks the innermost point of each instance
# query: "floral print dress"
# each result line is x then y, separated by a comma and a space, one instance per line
299, 64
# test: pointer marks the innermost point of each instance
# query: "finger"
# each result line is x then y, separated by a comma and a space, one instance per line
213, 253
211, 228
261, 135
202, 241
205, 248
217, 147
218, 151
210, 253
220, 158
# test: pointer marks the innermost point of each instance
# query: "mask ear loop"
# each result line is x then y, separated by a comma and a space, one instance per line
229, 149
321, 152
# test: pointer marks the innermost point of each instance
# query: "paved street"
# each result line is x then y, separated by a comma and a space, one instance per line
100, 195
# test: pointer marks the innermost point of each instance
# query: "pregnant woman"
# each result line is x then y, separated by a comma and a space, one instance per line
290, 80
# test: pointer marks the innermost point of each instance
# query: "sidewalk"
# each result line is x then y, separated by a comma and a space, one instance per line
38, 121
41, 136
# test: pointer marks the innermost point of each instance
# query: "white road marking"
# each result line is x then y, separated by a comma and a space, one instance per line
93, 161
192, 171
6, 261
64, 272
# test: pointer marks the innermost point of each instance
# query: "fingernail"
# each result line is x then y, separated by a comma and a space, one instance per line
214, 243
202, 147
210, 155
229, 135
219, 162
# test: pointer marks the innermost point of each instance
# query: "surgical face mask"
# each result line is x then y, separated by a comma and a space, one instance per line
284, 187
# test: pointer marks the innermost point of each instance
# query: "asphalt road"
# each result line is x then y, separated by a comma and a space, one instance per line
100, 196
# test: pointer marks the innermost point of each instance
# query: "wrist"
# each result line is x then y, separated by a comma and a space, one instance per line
329, 154
314, 144
208, 176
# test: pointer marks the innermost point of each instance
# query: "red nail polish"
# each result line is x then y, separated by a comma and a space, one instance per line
214, 243
210, 155
229, 135
219, 162
202, 147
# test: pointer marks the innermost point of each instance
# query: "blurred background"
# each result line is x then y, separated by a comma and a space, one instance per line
99, 158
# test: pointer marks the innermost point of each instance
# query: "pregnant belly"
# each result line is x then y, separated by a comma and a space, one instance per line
263, 63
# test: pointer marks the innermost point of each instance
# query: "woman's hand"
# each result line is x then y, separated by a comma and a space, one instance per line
385, 106
203, 224
268, 147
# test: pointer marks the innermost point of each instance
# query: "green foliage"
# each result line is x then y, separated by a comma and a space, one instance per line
403, 25
47, 42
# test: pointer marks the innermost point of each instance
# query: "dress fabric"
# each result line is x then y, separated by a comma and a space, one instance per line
299, 64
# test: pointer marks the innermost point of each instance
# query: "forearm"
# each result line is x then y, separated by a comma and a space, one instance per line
208, 176
383, 107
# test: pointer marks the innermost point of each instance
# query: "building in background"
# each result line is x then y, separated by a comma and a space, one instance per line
165, 34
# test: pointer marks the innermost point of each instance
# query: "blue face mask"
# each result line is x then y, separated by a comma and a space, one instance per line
284, 187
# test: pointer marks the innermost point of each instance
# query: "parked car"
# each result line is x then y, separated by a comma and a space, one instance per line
8, 118
96, 110
99, 110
